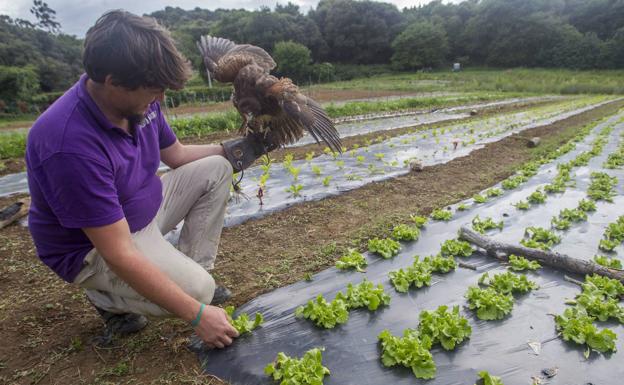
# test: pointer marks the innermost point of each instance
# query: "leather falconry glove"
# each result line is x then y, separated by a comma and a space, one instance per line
242, 152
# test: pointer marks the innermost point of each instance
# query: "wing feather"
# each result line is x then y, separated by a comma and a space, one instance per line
305, 111
214, 48
225, 58
259, 56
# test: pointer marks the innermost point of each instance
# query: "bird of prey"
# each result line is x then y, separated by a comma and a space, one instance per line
268, 105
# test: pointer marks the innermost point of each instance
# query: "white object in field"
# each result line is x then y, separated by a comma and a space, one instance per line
456, 67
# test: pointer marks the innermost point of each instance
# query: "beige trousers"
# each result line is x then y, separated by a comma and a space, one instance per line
196, 192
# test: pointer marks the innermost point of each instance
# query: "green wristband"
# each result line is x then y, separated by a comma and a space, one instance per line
195, 322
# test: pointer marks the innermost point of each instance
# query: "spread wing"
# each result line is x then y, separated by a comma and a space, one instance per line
225, 58
296, 112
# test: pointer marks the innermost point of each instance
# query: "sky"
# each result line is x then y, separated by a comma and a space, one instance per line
76, 16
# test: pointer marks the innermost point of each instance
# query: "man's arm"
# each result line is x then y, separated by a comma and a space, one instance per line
179, 154
115, 245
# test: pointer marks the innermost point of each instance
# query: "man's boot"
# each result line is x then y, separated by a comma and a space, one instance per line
221, 295
119, 324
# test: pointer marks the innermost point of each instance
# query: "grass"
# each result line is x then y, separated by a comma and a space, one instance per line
12, 144
17, 120
541, 81
360, 108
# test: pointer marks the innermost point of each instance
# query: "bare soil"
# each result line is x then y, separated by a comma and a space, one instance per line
46, 325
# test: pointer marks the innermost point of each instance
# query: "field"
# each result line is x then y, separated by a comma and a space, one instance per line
47, 325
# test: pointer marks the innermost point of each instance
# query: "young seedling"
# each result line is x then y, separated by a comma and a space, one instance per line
613, 235
577, 326
404, 232
441, 215
365, 295
508, 283
294, 171
295, 189
410, 351
482, 225
488, 379
440, 264
317, 170
537, 197
601, 187
539, 238
489, 304
416, 275
419, 220
326, 180
462, 207
520, 263
308, 370
587, 205
611, 263
309, 156
513, 181
445, 327
456, 248
324, 314
242, 323
352, 260
493, 192
478, 198
386, 248
288, 159
560, 223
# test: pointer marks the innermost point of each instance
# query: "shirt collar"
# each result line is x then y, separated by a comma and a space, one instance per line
90, 104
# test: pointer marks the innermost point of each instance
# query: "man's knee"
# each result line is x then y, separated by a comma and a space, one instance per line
203, 288
218, 167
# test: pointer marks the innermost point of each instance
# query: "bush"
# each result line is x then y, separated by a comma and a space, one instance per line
354, 71
17, 85
293, 60
197, 94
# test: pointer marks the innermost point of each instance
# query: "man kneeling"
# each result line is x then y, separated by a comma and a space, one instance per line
99, 211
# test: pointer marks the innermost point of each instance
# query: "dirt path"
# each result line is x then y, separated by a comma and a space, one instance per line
46, 325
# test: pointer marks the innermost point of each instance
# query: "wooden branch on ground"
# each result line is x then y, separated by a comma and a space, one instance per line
558, 261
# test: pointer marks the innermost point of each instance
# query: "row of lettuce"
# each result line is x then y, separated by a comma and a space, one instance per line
493, 298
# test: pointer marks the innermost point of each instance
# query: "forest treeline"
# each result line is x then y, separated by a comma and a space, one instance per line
347, 36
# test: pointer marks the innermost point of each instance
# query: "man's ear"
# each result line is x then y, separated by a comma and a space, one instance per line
108, 81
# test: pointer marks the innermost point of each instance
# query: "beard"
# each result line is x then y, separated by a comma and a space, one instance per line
134, 120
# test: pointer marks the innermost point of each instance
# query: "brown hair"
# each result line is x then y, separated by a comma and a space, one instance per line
136, 51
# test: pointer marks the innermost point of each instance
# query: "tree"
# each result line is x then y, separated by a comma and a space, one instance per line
293, 60
289, 8
45, 15
358, 32
17, 84
422, 44
614, 50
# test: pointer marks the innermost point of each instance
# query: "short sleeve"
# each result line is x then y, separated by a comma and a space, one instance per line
80, 191
166, 136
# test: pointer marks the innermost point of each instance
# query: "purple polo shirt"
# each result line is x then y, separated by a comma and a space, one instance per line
85, 172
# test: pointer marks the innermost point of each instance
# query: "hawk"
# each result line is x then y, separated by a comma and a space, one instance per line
268, 105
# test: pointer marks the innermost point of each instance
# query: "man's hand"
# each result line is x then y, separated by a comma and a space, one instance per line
214, 328
242, 152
